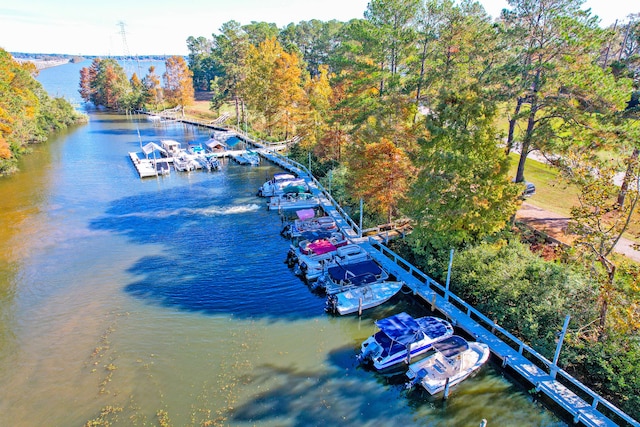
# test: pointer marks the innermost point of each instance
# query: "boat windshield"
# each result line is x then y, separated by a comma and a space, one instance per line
451, 346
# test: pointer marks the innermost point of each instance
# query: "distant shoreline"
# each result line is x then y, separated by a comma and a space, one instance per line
41, 64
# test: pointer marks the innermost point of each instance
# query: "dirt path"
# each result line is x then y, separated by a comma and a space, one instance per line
555, 225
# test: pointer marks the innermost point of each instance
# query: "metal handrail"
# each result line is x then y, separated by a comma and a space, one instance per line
597, 399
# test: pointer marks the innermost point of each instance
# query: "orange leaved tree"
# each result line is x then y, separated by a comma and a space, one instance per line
381, 173
178, 82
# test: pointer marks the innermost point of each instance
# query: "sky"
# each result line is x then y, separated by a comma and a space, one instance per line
161, 27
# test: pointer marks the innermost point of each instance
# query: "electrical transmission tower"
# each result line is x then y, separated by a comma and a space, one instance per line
125, 45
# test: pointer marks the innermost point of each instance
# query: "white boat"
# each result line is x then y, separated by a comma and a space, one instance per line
247, 157
252, 157
455, 359
185, 163
363, 297
293, 201
278, 181
308, 222
401, 338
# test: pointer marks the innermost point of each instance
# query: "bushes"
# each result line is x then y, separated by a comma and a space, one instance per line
522, 292
530, 297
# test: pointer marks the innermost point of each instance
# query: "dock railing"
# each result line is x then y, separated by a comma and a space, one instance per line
297, 167
514, 342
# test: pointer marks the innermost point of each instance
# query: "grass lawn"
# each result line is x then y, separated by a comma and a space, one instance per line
551, 193
556, 196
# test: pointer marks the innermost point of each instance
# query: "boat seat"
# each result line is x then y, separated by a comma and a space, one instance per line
438, 366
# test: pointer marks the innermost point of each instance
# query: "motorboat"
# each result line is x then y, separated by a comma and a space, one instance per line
311, 267
293, 201
401, 338
252, 157
247, 157
343, 277
307, 222
362, 298
184, 162
303, 238
291, 185
196, 149
454, 360
269, 187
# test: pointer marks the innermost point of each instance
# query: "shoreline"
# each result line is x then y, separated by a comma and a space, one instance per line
41, 64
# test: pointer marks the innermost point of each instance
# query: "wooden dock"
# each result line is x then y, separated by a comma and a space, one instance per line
553, 382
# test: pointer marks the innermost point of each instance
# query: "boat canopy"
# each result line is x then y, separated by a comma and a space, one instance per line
291, 189
451, 346
305, 214
320, 247
151, 147
315, 235
400, 327
403, 328
351, 271
282, 176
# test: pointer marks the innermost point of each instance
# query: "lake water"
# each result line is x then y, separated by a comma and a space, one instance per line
132, 302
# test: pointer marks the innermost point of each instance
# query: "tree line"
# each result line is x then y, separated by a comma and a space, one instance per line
105, 83
27, 113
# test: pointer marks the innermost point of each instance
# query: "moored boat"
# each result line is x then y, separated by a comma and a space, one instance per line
341, 277
401, 338
454, 360
293, 201
362, 298
279, 179
312, 266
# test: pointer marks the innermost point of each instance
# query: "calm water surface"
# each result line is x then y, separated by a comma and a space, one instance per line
169, 296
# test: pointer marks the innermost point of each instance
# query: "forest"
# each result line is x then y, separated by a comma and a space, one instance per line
27, 113
416, 109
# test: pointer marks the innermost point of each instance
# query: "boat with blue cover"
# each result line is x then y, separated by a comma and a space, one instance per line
401, 339
341, 278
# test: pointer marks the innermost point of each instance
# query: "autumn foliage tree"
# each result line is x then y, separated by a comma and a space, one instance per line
380, 175
153, 91
178, 82
105, 83
273, 86
27, 113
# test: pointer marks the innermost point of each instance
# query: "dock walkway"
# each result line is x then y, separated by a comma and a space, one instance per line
462, 315
547, 378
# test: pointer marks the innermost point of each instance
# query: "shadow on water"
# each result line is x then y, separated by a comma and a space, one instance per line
337, 397
221, 249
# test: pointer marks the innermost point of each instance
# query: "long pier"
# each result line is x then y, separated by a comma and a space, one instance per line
581, 403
